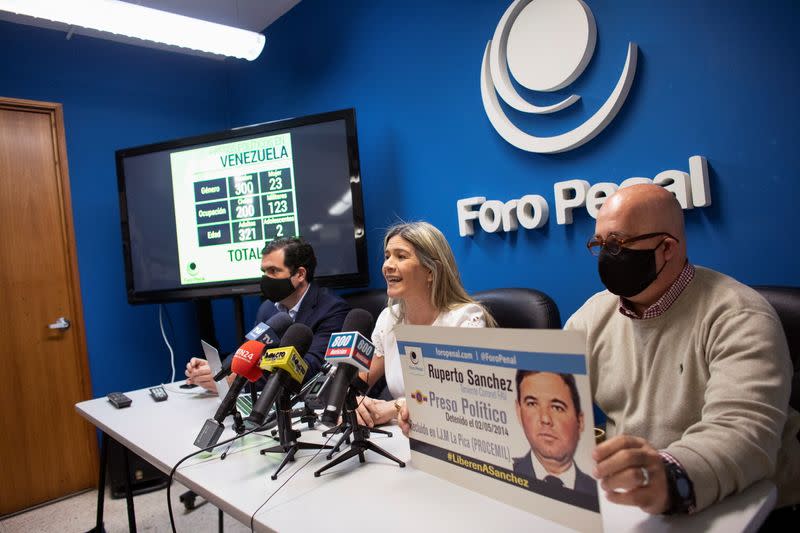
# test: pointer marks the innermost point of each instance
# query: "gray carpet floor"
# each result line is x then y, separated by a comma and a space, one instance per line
78, 513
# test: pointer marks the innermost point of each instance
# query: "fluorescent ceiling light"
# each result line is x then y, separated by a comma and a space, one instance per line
145, 23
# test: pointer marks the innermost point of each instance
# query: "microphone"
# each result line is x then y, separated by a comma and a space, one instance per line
312, 387
287, 367
269, 333
316, 391
310, 394
245, 365
351, 351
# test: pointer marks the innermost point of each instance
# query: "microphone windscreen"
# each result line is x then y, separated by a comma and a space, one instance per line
246, 359
359, 320
280, 322
299, 336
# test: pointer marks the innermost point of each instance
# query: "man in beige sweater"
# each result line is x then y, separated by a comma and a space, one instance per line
690, 366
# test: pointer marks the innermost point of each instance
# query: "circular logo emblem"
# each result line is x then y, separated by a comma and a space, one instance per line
192, 269
546, 45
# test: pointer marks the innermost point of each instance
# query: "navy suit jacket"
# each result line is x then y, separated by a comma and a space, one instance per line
323, 312
585, 492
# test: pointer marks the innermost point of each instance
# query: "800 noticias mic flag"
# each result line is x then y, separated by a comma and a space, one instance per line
352, 347
350, 351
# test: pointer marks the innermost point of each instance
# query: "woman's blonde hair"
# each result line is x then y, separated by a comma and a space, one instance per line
434, 253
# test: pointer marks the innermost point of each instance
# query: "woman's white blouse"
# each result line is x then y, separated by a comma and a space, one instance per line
383, 337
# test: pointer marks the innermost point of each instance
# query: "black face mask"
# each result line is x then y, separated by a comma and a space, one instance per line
276, 289
629, 272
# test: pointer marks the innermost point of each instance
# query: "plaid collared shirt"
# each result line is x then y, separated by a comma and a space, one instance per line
666, 300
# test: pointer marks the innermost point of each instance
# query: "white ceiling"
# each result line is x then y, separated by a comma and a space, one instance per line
255, 15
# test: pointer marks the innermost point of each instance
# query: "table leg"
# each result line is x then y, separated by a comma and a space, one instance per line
101, 484
129, 495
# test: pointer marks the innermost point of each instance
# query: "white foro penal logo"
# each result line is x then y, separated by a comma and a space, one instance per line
546, 44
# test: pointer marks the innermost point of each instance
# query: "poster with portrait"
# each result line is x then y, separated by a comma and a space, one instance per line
507, 413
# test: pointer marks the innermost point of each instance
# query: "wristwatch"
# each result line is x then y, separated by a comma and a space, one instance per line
681, 489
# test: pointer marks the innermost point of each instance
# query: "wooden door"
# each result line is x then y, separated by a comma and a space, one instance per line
47, 450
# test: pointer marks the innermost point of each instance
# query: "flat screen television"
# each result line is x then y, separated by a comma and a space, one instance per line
196, 212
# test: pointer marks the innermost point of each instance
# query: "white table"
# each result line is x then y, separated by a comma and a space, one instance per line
375, 492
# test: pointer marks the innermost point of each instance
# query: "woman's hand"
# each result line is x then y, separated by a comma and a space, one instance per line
363, 411
372, 412
402, 417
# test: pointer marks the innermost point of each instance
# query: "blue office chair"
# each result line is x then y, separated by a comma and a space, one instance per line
372, 300
520, 308
786, 301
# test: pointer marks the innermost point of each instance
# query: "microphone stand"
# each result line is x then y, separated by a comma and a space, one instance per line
287, 435
309, 416
272, 421
238, 423
305, 415
358, 386
360, 434
253, 393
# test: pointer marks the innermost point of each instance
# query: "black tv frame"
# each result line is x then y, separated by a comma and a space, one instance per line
245, 287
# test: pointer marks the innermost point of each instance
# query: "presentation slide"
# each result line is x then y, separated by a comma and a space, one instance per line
196, 212
229, 200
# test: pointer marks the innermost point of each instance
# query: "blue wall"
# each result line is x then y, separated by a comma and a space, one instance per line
114, 96
715, 78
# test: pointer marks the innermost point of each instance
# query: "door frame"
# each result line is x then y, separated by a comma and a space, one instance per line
77, 327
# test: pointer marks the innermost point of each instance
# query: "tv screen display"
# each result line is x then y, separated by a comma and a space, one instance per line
196, 212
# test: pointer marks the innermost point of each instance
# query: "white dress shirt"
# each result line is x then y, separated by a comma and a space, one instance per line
567, 477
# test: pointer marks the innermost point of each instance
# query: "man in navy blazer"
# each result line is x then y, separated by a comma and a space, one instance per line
549, 409
288, 286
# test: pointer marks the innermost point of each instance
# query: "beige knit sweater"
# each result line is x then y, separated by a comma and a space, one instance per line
708, 381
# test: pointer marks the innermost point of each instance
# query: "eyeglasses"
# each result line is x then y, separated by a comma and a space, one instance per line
614, 244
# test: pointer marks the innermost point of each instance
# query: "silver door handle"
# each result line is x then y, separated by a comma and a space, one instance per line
60, 323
